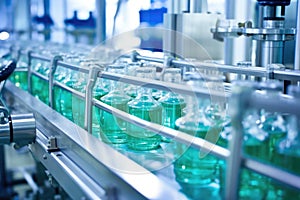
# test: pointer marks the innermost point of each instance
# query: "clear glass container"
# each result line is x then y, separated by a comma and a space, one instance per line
40, 87
112, 128
99, 91
197, 172
172, 103
147, 108
20, 76
130, 89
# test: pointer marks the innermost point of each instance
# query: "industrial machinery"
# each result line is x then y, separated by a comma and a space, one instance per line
242, 142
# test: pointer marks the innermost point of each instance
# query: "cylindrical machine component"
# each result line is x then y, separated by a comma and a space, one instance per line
4, 133
197, 6
271, 52
19, 129
274, 2
23, 128
271, 47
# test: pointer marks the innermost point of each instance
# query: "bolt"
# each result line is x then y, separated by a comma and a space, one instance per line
44, 156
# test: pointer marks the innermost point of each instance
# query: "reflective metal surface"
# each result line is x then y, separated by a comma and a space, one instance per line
23, 128
83, 165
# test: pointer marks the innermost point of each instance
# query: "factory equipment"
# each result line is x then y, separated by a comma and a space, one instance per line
18, 129
271, 33
77, 160
148, 125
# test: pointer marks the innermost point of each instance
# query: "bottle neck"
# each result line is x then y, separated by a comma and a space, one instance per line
116, 86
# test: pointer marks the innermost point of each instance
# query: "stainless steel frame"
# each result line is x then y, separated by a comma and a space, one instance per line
81, 161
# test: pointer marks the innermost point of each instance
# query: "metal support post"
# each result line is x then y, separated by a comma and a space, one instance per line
297, 50
101, 20
53, 66
234, 161
29, 83
88, 115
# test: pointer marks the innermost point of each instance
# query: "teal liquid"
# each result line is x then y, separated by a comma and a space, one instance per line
112, 129
72, 106
19, 78
98, 93
57, 98
254, 185
66, 100
172, 110
288, 160
65, 103
78, 109
139, 138
198, 173
40, 89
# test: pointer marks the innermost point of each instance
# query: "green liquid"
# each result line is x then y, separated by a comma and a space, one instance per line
172, 110
19, 78
40, 89
65, 103
98, 93
256, 148
254, 185
139, 138
290, 163
78, 104
78, 111
112, 129
198, 173
57, 98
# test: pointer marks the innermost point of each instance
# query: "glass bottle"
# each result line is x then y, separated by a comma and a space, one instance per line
288, 149
130, 89
144, 107
255, 144
99, 91
66, 97
272, 123
113, 128
78, 104
195, 170
39, 87
19, 76
59, 76
172, 103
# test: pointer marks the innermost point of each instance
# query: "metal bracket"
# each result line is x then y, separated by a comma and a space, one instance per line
133, 56
53, 66
271, 67
29, 71
95, 69
232, 28
52, 144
